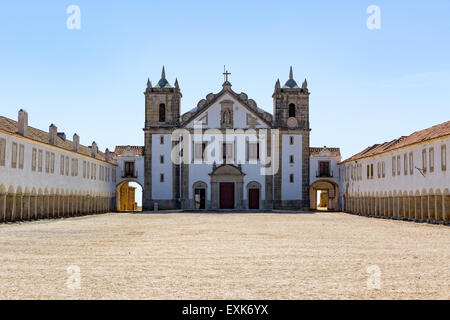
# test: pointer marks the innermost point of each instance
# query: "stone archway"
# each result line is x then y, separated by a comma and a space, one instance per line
227, 185
126, 196
330, 188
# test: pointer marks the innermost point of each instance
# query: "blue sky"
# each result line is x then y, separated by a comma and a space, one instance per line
367, 86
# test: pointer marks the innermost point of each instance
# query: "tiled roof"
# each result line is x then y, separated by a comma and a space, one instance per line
434, 132
11, 126
137, 150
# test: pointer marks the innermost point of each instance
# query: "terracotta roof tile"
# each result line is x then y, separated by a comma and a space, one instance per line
434, 132
137, 150
11, 126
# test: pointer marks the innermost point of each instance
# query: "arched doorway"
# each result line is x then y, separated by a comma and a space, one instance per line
323, 195
254, 195
129, 196
200, 191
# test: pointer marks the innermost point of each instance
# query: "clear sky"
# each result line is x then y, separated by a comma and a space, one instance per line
367, 86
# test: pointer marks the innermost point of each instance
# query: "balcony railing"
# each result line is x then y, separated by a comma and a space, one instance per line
133, 175
324, 175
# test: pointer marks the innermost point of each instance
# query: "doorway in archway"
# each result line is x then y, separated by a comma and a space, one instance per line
322, 199
129, 196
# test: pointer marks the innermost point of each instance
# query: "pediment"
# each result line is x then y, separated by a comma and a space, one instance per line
227, 170
254, 116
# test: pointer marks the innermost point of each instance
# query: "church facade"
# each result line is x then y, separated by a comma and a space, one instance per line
226, 153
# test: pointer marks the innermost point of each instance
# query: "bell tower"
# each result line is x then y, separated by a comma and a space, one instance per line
162, 103
291, 101
162, 117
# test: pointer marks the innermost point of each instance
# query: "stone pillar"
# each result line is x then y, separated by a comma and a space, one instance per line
10, 203
26, 207
446, 207
33, 207
424, 207
439, 208
2, 207
18, 208
214, 195
239, 195
431, 207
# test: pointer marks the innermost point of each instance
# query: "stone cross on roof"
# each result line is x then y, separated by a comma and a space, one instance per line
225, 74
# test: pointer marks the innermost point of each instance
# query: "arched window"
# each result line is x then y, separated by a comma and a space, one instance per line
292, 110
162, 112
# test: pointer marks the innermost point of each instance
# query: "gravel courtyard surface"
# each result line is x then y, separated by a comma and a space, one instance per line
224, 256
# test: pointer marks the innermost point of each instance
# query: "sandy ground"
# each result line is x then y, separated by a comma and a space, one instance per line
224, 256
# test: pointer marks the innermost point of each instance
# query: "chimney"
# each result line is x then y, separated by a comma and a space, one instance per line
94, 149
53, 132
23, 122
107, 155
62, 135
76, 142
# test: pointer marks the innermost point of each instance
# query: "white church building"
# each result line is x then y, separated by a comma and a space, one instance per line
226, 153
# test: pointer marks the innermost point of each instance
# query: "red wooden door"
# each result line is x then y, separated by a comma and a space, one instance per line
226, 195
253, 198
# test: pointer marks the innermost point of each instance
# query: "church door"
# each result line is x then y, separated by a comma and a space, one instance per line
226, 195
199, 199
253, 198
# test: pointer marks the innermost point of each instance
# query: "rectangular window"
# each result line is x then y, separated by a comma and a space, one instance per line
383, 169
33, 159
227, 152
21, 155
129, 169
52, 162
444, 157
424, 160
291, 140
405, 164
253, 151
95, 171
67, 166
40, 156
14, 155
324, 169
431, 153
291, 178
393, 166
371, 171
61, 165
378, 170
368, 172
161, 159
411, 163
84, 168
198, 151
399, 166
291, 159
161, 139
88, 170
161, 177
2, 151
47, 161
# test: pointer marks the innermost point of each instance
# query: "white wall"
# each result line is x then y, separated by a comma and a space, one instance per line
138, 167
162, 190
291, 191
314, 167
416, 182
26, 178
